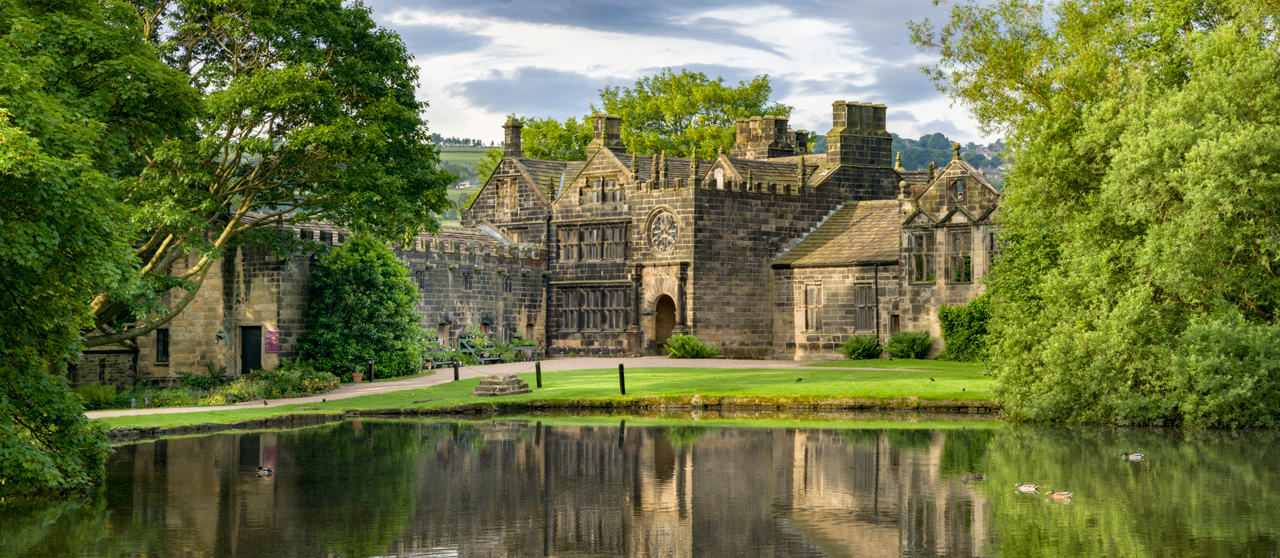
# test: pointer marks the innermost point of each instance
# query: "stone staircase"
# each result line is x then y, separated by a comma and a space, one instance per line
501, 384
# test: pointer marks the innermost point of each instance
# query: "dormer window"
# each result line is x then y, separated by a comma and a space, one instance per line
957, 190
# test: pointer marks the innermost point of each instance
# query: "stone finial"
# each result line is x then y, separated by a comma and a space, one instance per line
898, 163
511, 137
956, 147
653, 168
751, 181
800, 169
693, 163
933, 167
662, 166
635, 166
720, 152
904, 188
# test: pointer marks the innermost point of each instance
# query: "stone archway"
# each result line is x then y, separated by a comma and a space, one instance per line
664, 321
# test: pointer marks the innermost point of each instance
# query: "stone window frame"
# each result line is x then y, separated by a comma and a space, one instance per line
864, 311
507, 192
163, 340
594, 309
591, 243
995, 248
959, 255
612, 191
956, 190
615, 242
466, 281
812, 298
569, 251
506, 284
654, 216
921, 255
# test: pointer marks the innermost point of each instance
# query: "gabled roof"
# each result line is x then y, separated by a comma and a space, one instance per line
859, 233
963, 166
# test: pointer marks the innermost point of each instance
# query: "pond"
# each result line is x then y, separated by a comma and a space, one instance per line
602, 487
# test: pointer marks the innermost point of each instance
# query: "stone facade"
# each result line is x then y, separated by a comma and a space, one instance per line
641, 247
765, 252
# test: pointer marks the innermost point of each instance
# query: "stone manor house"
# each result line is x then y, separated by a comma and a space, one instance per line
765, 251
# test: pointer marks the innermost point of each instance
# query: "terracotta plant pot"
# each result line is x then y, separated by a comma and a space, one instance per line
357, 378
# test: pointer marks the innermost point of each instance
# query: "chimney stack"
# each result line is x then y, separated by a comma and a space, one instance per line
606, 132
511, 137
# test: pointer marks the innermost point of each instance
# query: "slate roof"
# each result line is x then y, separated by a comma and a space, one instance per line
859, 233
546, 174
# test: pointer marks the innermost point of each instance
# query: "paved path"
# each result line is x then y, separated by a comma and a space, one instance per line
444, 375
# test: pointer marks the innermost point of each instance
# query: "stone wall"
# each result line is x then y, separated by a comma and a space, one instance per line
112, 366
839, 309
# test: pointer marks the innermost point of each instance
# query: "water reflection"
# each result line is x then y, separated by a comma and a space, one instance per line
520, 488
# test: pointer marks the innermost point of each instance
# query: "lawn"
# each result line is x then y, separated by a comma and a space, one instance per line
467, 156
907, 363
768, 385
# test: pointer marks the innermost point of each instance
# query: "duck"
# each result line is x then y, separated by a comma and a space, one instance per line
1132, 457
1059, 496
1027, 488
265, 472
968, 477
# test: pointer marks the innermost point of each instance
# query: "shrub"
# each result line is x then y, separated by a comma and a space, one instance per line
97, 397
362, 306
964, 330
174, 397
861, 347
201, 382
688, 346
909, 344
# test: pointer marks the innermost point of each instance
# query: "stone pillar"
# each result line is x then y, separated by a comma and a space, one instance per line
681, 304
635, 336
511, 138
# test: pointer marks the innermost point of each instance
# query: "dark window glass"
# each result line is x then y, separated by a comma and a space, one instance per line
162, 345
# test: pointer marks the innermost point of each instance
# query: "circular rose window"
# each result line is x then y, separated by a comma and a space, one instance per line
662, 232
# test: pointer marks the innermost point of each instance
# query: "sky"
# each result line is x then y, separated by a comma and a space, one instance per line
483, 59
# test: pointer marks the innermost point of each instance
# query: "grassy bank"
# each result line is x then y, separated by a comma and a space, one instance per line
905, 363
644, 386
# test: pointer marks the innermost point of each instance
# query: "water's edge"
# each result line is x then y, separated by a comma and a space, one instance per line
989, 410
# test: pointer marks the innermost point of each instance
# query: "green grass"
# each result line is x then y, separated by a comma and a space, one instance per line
463, 155
602, 386
907, 363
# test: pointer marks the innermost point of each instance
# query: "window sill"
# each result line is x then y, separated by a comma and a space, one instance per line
164, 364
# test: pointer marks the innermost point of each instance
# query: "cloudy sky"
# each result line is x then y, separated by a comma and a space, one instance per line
483, 59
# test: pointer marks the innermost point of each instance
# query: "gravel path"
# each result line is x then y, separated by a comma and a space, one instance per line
441, 376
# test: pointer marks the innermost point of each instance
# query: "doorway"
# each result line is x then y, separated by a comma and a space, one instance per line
250, 349
664, 321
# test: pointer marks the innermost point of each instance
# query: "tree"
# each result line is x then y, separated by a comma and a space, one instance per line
362, 307
1140, 281
78, 89
678, 112
543, 138
308, 112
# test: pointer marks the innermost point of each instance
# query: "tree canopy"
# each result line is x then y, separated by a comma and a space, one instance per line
678, 112
307, 112
79, 89
1139, 285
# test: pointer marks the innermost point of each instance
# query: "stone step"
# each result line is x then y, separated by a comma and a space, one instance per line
500, 384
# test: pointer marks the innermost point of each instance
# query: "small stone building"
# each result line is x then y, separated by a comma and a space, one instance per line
765, 251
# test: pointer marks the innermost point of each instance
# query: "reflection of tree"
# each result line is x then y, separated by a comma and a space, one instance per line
963, 451
683, 436
355, 489
1197, 494
69, 527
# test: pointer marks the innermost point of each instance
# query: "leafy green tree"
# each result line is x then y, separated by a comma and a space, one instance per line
362, 307
1140, 283
78, 90
308, 112
678, 112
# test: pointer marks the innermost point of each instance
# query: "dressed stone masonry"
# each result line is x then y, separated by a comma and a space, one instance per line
501, 384
765, 251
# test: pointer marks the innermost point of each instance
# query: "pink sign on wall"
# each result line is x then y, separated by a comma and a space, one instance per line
273, 341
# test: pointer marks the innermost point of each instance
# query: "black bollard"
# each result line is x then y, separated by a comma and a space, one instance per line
622, 379
455, 369
370, 370
537, 367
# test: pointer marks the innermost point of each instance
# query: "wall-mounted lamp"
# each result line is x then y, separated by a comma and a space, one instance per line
219, 336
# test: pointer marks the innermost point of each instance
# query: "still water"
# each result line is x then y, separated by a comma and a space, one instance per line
523, 488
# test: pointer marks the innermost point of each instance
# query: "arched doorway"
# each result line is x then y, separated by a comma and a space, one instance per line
664, 320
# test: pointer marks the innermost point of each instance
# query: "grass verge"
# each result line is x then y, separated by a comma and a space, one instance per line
645, 387
905, 363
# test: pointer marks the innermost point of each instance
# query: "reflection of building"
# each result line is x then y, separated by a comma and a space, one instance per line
515, 488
